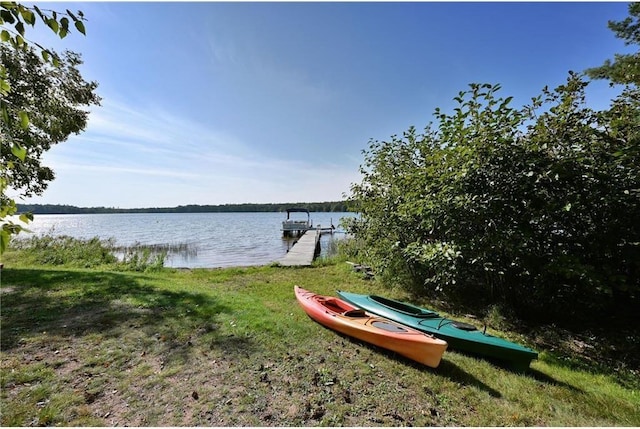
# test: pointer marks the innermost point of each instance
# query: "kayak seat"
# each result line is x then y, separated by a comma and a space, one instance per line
355, 313
332, 305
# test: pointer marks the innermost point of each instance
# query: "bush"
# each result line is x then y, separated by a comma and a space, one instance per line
534, 211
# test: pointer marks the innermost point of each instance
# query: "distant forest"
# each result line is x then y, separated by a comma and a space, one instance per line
329, 206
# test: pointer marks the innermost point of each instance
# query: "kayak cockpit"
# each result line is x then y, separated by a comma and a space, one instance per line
333, 305
358, 312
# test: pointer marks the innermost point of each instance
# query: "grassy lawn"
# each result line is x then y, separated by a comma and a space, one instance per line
231, 347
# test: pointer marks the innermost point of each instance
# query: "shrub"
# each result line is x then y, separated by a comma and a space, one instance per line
536, 211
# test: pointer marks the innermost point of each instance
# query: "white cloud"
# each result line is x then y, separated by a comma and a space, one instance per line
148, 157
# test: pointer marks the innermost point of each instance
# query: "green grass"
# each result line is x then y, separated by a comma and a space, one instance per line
231, 347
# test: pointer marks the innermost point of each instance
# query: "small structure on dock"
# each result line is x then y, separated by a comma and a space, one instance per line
296, 226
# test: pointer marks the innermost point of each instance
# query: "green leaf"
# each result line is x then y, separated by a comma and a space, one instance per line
39, 12
26, 217
24, 120
28, 16
80, 27
567, 207
7, 209
53, 24
19, 151
45, 56
4, 240
7, 16
20, 28
5, 114
5, 36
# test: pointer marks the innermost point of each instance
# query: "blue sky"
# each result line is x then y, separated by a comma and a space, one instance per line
214, 103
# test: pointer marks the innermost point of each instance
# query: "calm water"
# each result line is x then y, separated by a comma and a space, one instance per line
212, 239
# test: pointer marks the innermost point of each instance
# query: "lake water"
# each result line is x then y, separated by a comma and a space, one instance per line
208, 240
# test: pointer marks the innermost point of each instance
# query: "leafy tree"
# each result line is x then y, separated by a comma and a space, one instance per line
625, 68
53, 97
498, 205
413, 198
32, 117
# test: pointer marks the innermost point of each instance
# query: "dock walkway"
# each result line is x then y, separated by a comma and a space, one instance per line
302, 253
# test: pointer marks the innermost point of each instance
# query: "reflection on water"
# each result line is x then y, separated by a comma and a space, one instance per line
289, 241
191, 239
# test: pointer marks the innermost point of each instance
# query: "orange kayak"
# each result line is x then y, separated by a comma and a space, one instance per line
343, 317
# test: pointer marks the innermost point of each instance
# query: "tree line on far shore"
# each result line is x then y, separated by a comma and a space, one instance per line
327, 206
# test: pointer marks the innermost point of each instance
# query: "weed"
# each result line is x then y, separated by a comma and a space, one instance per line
142, 260
64, 250
49, 250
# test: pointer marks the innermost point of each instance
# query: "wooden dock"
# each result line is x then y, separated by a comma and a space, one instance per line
303, 252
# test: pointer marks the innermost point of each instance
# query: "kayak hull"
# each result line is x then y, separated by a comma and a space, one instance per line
347, 319
460, 336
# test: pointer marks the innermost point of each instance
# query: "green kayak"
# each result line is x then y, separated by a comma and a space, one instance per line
460, 336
